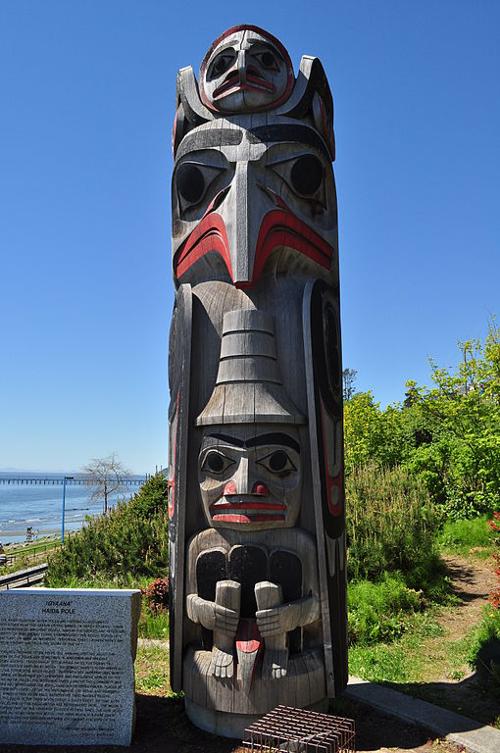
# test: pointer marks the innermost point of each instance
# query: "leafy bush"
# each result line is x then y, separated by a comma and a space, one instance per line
381, 611
157, 595
391, 525
129, 543
447, 434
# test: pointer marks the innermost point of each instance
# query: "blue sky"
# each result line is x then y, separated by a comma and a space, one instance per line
88, 91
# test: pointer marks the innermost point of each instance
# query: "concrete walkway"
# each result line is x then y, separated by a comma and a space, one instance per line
458, 729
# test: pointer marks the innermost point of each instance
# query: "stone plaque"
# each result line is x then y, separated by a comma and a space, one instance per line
67, 666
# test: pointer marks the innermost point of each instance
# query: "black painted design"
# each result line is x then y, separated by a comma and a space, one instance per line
285, 568
248, 566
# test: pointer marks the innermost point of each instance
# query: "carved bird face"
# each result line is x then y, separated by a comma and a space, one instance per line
249, 201
250, 477
245, 70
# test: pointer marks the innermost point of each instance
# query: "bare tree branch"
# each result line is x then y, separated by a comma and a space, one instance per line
106, 478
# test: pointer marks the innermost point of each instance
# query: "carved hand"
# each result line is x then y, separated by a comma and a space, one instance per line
211, 615
287, 617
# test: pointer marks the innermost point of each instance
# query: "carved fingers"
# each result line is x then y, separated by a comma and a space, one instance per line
275, 621
226, 619
211, 615
201, 611
287, 617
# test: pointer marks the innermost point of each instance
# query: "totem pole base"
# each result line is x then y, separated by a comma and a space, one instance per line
225, 724
227, 708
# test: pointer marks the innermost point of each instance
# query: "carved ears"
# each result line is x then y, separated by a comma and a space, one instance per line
312, 97
310, 100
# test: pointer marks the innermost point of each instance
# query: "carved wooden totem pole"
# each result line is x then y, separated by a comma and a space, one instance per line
258, 615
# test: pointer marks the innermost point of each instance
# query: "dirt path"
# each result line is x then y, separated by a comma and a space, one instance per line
472, 581
447, 679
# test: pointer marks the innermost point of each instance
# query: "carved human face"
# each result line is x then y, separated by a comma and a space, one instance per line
250, 477
245, 70
252, 201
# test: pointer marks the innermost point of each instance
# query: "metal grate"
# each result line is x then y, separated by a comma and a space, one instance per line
300, 731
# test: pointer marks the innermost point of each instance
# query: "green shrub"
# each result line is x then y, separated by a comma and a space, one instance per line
127, 544
381, 611
391, 526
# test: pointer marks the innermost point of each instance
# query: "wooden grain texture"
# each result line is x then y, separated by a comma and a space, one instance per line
256, 417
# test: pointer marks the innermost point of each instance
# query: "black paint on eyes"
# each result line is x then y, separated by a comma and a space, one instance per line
221, 64
278, 461
306, 175
268, 60
190, 183
214, 462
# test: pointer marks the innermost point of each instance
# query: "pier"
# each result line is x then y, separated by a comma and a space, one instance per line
81, 480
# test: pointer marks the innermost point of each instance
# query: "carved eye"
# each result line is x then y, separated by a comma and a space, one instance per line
190, 183
215, 463
278, 462
221, 64
306, 175
267, 60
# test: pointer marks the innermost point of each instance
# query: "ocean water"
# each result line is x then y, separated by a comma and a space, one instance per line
40, 506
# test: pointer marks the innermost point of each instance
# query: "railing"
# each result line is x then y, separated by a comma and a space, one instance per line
28, 553
23, 578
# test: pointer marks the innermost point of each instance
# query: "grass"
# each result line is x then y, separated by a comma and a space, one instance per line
154, 626
466, 537
152, 671
381, 611
418, 656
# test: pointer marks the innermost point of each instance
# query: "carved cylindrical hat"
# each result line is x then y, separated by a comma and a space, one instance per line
248, 388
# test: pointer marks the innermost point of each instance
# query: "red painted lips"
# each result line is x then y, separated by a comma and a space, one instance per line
229, 511
253, 82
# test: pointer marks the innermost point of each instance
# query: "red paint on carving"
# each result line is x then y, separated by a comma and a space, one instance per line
247, 506
334, 484
230, 488
242, 518
259, 488
282, 50
209, 235
234, 84
248, 637
282, 228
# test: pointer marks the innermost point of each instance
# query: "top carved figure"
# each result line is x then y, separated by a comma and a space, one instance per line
245, 70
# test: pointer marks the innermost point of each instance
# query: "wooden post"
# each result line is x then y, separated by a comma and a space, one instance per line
256, 504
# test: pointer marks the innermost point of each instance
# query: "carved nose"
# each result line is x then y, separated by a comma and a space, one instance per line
241, 65
244, 481
259, 488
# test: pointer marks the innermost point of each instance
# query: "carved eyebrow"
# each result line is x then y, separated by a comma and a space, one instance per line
275, 438
265, 43
287, 132
206, 139
228, 439
262, 439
